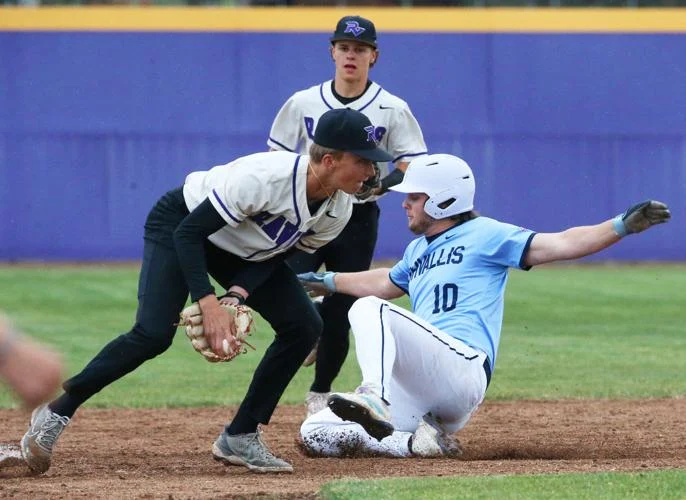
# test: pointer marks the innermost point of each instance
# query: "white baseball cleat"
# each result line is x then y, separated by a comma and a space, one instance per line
431, 439
38, 442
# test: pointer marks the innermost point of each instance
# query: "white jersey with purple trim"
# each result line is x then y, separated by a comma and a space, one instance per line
396, 128
456, 280
263, 199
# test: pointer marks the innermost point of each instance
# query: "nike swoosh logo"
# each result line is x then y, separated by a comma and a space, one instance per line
328, 214
381, 106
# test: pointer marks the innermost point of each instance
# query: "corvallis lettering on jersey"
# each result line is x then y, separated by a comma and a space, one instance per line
440, 257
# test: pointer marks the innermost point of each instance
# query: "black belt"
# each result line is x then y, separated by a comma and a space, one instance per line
487, 370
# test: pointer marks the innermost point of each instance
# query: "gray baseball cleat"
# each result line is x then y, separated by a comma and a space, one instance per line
431, 439
248, 450
364, 407
316, 402
38, 442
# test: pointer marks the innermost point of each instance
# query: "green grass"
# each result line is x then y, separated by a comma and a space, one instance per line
592, 332
569, 332
665, 484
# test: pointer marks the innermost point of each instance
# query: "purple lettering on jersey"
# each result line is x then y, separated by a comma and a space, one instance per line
278, 228
371, 134
379, 133
309, 126
271, 228
261, 217
287, 233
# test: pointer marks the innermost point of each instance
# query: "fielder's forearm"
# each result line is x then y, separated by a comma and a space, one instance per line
189, 241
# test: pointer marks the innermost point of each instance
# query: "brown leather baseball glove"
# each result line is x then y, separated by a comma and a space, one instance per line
191, 319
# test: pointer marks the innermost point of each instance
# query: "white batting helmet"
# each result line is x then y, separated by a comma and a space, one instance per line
446, 179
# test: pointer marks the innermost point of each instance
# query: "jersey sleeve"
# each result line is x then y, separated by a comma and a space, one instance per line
400, 274
240, 196
508, 245
405, 139
286, 133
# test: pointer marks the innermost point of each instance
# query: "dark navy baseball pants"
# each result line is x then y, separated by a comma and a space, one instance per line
163, 292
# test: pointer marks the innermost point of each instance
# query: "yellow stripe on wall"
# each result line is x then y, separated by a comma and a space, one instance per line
306, 19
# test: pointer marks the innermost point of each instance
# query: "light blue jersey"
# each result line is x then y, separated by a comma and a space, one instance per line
456, 280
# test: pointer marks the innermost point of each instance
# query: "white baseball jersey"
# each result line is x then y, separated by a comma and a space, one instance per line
263, 199
397, 130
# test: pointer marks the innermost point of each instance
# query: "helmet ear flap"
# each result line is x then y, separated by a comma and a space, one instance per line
432, 209
440, 209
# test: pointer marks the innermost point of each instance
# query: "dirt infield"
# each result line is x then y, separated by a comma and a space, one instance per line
165, 453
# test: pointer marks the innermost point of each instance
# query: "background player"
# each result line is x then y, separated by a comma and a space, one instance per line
354, 51
235, 222
425, 373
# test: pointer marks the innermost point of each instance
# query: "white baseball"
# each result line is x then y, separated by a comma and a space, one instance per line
225, 347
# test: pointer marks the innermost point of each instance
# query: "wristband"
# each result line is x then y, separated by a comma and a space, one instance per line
235, 295
619, 226
329, 282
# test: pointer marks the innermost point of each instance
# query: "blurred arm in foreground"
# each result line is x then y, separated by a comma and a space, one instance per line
33, 371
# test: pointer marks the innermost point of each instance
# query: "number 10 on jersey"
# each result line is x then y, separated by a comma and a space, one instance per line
445, 297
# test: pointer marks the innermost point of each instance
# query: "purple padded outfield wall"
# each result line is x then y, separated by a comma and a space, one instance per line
560, 129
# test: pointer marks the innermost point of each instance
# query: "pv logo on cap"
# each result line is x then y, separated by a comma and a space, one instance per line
371, 134
354, 28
